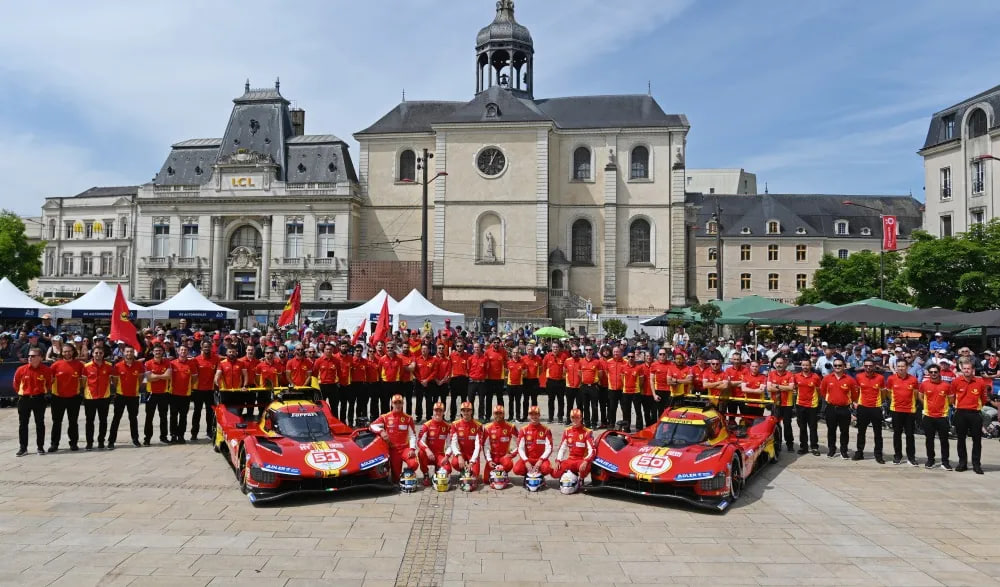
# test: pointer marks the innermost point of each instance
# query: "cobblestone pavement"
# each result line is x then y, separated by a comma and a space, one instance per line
173, 515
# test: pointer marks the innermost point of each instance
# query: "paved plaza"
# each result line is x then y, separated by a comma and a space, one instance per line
173, 515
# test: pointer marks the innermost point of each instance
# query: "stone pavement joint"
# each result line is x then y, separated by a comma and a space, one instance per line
427, 548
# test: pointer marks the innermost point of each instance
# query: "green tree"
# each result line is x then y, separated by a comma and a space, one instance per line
704, 330
960, 273
20, 261
841, 281
614, 328
837, 333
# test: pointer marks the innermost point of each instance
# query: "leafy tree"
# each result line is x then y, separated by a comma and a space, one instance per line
704, 330
841, 281
614, 328
837, 333
20, 261
960, 273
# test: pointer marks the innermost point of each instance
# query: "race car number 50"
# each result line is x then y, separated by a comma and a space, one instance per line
650, 464
326, 460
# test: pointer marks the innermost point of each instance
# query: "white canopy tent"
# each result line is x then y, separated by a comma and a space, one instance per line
191, 304
415, 309
350, 319
97, 303
14, 303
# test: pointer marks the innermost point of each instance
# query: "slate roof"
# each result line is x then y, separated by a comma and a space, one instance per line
816, 213
504, 27
105, 191
936, 130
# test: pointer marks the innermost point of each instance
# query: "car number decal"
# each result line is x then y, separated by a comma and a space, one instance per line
650, 465
326, 460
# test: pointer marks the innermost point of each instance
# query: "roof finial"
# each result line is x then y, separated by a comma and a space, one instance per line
765, 187
505, 5
649, 87
246, 86
404, 94
277, 83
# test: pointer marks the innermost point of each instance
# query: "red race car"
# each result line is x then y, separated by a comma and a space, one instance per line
298, 446
692, 454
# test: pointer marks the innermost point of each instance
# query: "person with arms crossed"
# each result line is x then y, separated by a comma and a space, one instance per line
935, 395
67, 381
807, 390
97, 396
969, 394
839, 390
868, 409
32, 382
902, 390
158, 385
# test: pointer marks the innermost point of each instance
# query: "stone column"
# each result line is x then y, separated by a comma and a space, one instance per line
218, 259
264, 287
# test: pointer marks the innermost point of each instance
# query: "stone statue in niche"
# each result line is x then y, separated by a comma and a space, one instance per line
491, 248
679, 159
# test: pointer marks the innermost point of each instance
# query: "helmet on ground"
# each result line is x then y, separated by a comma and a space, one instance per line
467, 482
442, 480
569, 483
534, 481
407, 481
466, 406
498, 478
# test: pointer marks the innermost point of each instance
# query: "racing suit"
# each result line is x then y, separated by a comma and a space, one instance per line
534, 445
434, 436
576, 452
497, 446
402, 440
466, 440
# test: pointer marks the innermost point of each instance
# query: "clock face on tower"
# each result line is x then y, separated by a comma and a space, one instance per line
491, 161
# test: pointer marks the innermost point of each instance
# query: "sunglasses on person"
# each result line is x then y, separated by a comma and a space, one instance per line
838, 365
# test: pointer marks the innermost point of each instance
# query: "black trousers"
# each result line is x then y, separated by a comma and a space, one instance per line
514, 396
872, 417
405, 389
458, 388
573, 399
808, 419
131, 404
70, 407
477, 392
200, 398
838, 418
157, 405
332, 394
967, 423
936, 427
786, 413
179, 406
433, 393
903, 422
96, 408
382, 394
357, 402
530, 396
494, 394
604, 404
29, 406
614, 399
590, 398
632, 401
555, 389
649, 413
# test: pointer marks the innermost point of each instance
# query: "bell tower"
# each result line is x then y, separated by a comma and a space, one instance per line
505, 54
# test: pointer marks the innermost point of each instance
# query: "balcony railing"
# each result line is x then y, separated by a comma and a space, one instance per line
157, 262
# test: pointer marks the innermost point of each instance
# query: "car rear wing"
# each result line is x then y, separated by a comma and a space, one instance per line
249, 395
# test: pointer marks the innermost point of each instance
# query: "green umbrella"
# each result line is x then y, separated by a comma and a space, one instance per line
551, 332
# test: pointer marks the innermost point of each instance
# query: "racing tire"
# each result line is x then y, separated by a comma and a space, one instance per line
243, 471
778, 439
736, 481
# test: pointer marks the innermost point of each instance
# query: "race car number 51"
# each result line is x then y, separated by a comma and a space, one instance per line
650, 464
326, 460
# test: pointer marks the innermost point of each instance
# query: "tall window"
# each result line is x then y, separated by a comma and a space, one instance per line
109, 228
977, 123
978, 176
842, 254
69, 230
324, 240
582, 240
946, 225
713, 254
800, 281
246, 236
640, 163
840, 228
122, 265
52, 230
88, 229
293, 240
772, 252
67, 264
106, 263
949, 127
713, 281
124, 226
407, 166
86, 264
945, 183
773, 227
744, 252
977, 216
800, 252
158, 289
581, 163
712, 227
638, 241
772, 281
189, 240
744, 281
161, 240
324, 292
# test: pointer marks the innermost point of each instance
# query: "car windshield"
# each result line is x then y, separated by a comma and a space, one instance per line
302, 426
679, 434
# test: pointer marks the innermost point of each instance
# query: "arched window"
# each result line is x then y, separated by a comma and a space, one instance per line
582, 241
977, 123
638, 241
407, 166
640, 163
158, 289
581, 163
246, 236
841, 228
324, 292
557, 279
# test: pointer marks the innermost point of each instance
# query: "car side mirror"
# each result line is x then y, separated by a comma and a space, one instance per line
241, 425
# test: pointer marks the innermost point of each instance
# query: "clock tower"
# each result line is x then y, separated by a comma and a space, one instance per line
505, 54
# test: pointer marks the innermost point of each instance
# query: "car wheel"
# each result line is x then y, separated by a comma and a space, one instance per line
243, 472
736, 480
778, 439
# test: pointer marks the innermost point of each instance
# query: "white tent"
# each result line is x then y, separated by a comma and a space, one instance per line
350, 319
96, 303
14, 303
416, 310
190, 303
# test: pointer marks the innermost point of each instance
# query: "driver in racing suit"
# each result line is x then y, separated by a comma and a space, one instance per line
466, 441
398, 431
432, 444
576, 451
534, 445
498, 435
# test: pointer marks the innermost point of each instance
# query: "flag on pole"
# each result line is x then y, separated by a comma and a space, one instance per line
292, 307
383, 328
888, 233
121, 325
358, 331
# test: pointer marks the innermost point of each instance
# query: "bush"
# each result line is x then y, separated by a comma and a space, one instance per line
614, 328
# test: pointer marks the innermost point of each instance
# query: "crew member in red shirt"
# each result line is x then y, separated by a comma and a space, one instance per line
432, 444
498, 444
515, 385
326, 369
477, 376
659, 379
650, 400
591, 368
614, 368
781, 387
737, 372
398, 430
496, 358
32, 382
129, 374
231, 379
935, 393
442, 376
390, 373
840, 390
532, 368
699, 367
406, 359
902, 389
632, 390
357, 390
97, 395
183, 375
753, 387
203, 395
716, 383
67, 376
572, 382
425, 369
576, 451
970, 392
458, 381
158, 386
534, 445
679, 378
466, 441
299, 369
807, 383
555, 381
871, 391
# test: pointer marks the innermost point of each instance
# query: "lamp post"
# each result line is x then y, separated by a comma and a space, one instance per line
424, 164
881, 245
717, 221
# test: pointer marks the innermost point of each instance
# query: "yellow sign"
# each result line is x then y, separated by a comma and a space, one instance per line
242, 182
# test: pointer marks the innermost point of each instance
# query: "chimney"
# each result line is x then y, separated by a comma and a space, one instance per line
298, 121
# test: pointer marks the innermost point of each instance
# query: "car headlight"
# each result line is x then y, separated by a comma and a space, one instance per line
261, 476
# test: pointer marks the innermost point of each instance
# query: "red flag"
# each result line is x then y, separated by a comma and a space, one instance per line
121, 325
358, 331
292, 307
888, 233
383, 328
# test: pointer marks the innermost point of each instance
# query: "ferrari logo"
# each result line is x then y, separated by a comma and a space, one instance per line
124, 317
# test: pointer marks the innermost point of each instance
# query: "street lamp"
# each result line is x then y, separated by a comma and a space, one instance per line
424, 165
881, 246
717, 222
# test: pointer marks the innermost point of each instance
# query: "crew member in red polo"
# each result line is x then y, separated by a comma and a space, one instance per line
203, 396
458, 380
614, 368
360, 370
496, 358
129, 373
67, 376
515, 385
32, 382
398, 431
716, 383
807, 383
591, 368
572, 374
555, 380
299, 369
781, 387
326, 369
754, 384
532, 370
632, 392
158, 386
935, 394
425, 371
97, 396
737, 372
902, 390
390, 373
871, 391
477, 375
659, 379
183, 373
679, 378
970, 392
840, 390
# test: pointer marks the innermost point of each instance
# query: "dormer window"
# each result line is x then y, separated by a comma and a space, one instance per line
492, 110
773, 227
197, 170
840, 228
866, 231
711, 227
170, 170
800, 230
301, 168
745, 230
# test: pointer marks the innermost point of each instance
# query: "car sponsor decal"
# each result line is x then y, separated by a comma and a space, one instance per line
613, 468
652, 464
674, 453
694, 476
281, 469
683, 421
329, 461
373, 462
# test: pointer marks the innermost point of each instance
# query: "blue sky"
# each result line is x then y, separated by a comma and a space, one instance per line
814, 96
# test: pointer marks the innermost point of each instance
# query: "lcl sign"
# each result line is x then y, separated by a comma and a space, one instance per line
242, 182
